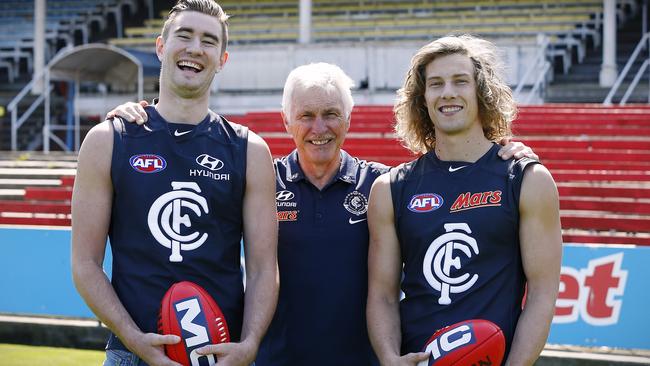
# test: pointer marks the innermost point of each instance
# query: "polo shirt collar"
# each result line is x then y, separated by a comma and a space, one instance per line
347, 171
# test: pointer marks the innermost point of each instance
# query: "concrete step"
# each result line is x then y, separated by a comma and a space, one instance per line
591, 92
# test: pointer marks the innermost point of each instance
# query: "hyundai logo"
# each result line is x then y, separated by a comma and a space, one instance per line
209, 162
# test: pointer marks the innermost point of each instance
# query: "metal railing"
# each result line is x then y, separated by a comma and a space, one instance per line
542, 66
644, 44
12, 107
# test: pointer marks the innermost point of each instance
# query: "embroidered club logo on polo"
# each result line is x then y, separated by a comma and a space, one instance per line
425, 202
209, 162
441, 257
356, 203
169, 212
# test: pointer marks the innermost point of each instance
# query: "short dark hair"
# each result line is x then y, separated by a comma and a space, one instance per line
208, 7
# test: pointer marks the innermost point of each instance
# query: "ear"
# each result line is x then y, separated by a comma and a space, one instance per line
347, 122
222, 60
159, 47
285, 121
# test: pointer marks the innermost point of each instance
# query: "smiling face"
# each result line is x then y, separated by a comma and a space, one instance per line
191, 54
450, 94
318, 123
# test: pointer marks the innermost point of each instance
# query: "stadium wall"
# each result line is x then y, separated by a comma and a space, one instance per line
382, 65
602, 301
254, 75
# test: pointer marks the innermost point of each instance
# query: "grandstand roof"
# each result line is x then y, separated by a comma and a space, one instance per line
96, 62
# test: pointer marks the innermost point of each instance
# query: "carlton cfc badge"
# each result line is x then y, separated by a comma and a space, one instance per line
355, 202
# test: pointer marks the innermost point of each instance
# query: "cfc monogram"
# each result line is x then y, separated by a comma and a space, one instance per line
440, 258
168, 213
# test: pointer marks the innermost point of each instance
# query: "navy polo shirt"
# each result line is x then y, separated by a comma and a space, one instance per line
323, 262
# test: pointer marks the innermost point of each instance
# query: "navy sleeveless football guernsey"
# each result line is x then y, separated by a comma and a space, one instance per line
458, 228
177, 214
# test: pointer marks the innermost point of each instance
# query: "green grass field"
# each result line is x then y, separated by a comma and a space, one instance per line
19, 355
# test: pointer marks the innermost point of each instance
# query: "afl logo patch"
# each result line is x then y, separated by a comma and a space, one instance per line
425, 202
355, 202
147, 163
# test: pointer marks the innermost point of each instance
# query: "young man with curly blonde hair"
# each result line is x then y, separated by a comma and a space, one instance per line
464, 232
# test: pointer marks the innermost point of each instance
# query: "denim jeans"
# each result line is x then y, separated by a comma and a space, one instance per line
116, 357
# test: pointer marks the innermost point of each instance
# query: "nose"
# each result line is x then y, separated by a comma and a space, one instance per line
194, 46
319, 125
449, 91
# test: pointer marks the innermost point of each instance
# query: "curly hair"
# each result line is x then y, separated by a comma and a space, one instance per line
208, 7
496, 105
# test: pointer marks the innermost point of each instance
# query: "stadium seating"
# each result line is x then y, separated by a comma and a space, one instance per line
64, 20
569, 23
599, 157
36, 191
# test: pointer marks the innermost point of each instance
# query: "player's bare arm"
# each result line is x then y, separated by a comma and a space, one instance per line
541, 250
260, 250
91, 210
384, 266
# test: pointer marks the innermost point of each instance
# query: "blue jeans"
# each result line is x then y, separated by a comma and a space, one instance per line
116, 357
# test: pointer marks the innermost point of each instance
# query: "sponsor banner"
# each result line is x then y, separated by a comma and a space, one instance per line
602, 301
35, 274
603, 297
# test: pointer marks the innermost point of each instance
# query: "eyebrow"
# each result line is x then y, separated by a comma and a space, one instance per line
453, 76
191, 30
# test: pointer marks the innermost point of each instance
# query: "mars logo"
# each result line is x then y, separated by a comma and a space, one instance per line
147, 163
449, 341
169, 212
468, 200
425, 202
439, 260
209, 162
194, 328
291, 215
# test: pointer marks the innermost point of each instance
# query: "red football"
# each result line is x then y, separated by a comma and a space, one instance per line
188, 311
471, 342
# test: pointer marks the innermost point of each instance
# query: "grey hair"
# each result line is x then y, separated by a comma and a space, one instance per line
322, 75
